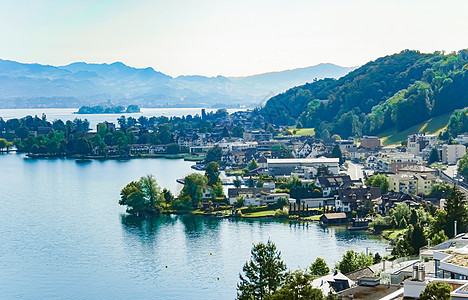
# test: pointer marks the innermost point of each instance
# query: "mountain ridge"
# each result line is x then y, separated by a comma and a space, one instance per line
30, 85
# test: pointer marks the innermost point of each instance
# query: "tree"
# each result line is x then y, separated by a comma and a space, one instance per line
167, 194
252, 165
378, 180
83, 146
336, 152
240, 200
142, 197
263, 274
456, 209
212, 172
353, 261
433, 157
436, 290
22, 132
463, 166
319, 267
3, 144
194, 187
237, 182
214, 154
297, 286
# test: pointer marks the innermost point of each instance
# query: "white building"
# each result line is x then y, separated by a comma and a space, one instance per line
418, 142
286, 166
452, 153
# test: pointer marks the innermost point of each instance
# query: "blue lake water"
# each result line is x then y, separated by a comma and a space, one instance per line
64, 236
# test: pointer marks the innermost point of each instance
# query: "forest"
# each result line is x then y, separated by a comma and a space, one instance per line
391, 93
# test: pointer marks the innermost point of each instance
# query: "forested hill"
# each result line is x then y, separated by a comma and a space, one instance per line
392, 92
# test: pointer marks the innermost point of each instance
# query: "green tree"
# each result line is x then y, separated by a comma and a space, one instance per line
297, 286
336, 152
83, 146
353, 261
142, 197
433, 157
22, 132
240, 200
319, 267
252, 165
378, 180
214, 154
167, 194
463, 166
212, 172
194, 187
237, 182
3, 144
439, 238
456, 209
263, 274
436, 290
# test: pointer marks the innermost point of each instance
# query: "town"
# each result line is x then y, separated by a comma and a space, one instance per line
401, 191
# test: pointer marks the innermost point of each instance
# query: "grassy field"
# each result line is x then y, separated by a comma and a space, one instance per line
302, 131
312, 218
393, 234
433, 126
259, 214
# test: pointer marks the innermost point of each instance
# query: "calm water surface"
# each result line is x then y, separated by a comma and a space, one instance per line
64, 236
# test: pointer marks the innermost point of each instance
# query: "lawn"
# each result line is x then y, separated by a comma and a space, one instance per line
393, 234
259, 214
301, 131
435, 126
312, 218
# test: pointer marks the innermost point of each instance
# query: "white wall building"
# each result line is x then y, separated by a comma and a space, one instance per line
452, 153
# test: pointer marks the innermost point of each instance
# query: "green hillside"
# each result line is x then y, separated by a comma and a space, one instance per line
391, 96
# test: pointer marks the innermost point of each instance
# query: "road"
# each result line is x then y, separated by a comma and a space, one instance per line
354, 170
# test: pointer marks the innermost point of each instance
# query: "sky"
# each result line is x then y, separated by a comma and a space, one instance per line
229, 38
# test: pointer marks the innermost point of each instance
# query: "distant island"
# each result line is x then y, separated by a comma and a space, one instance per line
99, 109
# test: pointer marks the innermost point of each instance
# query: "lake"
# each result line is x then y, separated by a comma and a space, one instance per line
66, 114
64, 236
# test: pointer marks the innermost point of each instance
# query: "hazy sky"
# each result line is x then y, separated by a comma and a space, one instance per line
232, 38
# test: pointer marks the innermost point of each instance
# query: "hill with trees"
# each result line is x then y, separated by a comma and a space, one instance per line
394, 92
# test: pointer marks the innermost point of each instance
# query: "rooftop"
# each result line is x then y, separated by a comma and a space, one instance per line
370, 293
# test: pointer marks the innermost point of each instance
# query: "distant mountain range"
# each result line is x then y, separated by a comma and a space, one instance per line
34, 85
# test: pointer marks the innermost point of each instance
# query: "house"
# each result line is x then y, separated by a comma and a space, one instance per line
350, 198
332, 283
333, 218
257, 192
392, 199
330, 184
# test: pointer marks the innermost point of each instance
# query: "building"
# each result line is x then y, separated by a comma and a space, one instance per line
416, 143
108, 126
370, 142
391, 162
350, 198
330, 184
411, 183
286, 166
333, 218
452, 153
